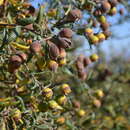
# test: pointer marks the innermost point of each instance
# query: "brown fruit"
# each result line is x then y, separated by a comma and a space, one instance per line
87, 61
53, 50
107, 33
97, 12
79, 65
64, 42
76, 104
121, 11
66, 32
74, 15
35, 47
80, 58
113, 2
22, 55
105, 6
82, 74
105, 26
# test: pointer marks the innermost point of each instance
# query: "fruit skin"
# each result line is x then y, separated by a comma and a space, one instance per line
66, 32
74, 15
62, 53
105, 6
107, 33
86, 61
94, 57
101, 37
62, 62
54, 105
105, 26
52, 12
53, 65
94, 39
35, 47
14, 63
113, 11
121, 11
62, 100
64, 42
47, 92
102, 19
66, 89
22, 55
81, 113
97, 103
88, 31
100, 93
60, 120
82, 74
16, 115
53, 50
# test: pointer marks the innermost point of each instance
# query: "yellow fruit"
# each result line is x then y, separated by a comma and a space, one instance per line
88, 31
1, 2
60, 120
47, 92
81, 112
94, 39
62, 62
16, 114
100, 93
113, 11
52, 13
54, 105
66, 89
62, 100
52, 65
97, 103
102, 19
94, 57
101, 37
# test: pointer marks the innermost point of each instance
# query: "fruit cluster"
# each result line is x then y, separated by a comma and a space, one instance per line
38, 68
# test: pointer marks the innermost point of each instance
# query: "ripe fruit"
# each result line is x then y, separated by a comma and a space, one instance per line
53, 50
74, 15
64, 42
105, 26
113, 11
86, 61
82, 74
101, 37
105, 6
47, 92
35, 47
22, 55
88, 31
107, 33
16, 114
102, 19
81, 112
62, 53
62, 61
97, 103
94, 57
54, 105
52, 12
52, 65
121, 11
62, 100
66, 89
66, 32
100, 93
60, 120
94, 39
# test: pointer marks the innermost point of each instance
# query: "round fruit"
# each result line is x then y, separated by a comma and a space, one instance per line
101, 37
52, 65
66, 32
94, 57
47, 92
88, 31
94, 39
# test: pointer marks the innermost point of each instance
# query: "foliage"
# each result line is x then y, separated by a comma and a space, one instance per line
44, 84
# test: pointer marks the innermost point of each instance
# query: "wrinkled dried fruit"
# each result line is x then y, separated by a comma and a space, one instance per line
35, 47
66, 32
